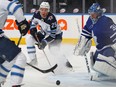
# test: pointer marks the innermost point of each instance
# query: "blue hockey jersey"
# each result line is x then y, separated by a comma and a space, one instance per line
103, 31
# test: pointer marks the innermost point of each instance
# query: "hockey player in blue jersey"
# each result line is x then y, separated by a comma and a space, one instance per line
103, 30
11, 57
50, 33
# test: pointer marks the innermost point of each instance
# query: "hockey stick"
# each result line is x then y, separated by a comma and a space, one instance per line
88, 68
44, 51
19, 40
43, 71
86, 60
87, 64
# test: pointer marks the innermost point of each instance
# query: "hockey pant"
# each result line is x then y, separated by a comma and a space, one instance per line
17, 68
105, 62
8, 50
58, 56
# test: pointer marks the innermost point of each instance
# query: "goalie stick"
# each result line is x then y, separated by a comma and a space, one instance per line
43, 71
87, 64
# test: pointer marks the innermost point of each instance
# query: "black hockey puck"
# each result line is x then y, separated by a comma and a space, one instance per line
58, 82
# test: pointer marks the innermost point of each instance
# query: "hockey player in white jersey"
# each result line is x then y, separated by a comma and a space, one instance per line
11, 57
50, 33
103, 30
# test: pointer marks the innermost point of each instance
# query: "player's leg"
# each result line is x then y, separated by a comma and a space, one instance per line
58, 44
5, 69
31, 49
9, 56
18, 67
17, 71
106, 62
54, 48
96, 75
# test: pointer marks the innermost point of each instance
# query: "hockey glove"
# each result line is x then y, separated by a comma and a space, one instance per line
23, 27
43, 44
33, 32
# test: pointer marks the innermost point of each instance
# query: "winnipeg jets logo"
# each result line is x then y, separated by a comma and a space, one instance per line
50, 18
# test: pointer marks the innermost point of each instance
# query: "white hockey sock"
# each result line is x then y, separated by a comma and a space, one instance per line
18, 69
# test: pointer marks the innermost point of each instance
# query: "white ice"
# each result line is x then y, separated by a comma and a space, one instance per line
76, 77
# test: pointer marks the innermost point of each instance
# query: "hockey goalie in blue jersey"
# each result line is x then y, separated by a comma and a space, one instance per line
103, 30
11, 57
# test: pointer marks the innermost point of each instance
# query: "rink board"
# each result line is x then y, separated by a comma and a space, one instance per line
70, 24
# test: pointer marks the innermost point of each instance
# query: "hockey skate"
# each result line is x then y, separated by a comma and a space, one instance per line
68, 64
17, 86
2, 83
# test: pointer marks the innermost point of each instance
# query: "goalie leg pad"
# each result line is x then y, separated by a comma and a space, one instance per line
8, 49
106, 65
83, 46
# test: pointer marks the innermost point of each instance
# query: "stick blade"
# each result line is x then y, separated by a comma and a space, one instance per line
44, 71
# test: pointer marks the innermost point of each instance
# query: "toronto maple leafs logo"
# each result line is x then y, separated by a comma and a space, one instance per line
113, 27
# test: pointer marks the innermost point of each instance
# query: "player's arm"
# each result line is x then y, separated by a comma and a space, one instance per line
16, 9
84, 43
33, 24
51, 33
33, 30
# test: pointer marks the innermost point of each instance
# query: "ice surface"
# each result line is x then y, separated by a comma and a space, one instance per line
76, 77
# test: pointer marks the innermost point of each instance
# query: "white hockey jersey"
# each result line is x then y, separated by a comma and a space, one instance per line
11, 7
48, 25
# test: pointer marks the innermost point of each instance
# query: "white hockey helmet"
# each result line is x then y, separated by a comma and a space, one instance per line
45, 5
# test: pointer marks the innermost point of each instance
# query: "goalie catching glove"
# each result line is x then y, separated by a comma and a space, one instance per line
23, 27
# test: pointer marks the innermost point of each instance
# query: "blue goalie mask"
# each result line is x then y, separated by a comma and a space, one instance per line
95, 8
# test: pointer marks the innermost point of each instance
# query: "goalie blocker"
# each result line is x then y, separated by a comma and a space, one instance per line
8, 51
